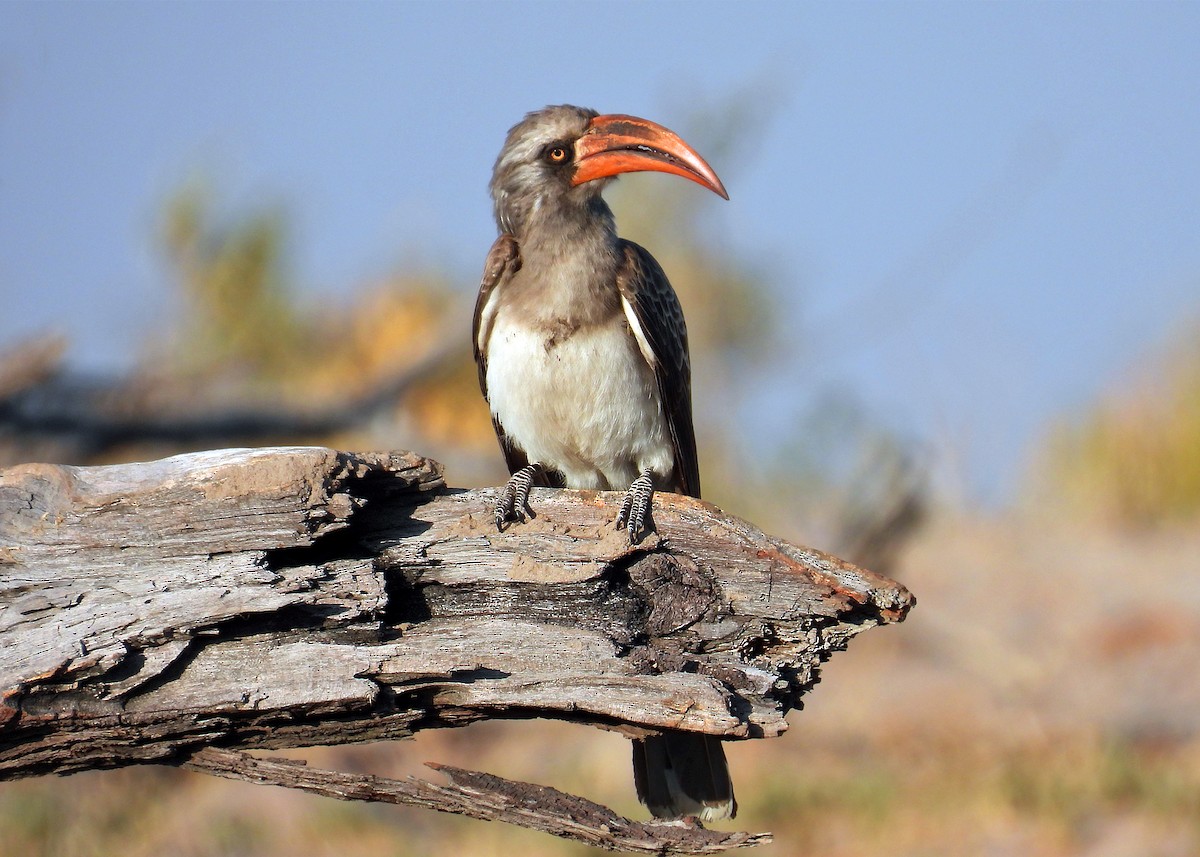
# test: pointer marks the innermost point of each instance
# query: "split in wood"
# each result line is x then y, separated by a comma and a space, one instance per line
289, 597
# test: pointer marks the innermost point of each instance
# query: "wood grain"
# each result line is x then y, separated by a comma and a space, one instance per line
288, 597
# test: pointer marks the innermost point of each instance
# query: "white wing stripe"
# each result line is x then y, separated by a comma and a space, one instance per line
639, 334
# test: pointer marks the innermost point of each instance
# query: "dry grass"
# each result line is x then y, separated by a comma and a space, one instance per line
1041, 701
1134, 458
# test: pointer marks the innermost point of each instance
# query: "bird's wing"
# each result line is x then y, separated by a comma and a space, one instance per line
503, 260
656, 319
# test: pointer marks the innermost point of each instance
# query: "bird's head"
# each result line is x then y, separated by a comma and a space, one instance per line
560, 158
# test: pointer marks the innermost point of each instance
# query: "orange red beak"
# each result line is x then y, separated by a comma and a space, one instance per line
615, 144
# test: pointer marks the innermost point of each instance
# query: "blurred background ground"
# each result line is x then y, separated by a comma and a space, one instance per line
1042, 699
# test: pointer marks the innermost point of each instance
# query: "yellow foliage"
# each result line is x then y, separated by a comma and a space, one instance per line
449, 407
1135, 458
387, 330
238, 309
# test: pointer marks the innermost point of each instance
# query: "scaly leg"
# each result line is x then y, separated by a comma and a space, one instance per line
513, 503
635, 508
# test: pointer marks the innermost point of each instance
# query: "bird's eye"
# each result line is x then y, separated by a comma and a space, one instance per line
557, 153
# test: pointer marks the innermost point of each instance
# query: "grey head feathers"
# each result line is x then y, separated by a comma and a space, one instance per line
527, 186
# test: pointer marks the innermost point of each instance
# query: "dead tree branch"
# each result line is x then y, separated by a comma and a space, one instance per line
83, 416
483, 796
172, 611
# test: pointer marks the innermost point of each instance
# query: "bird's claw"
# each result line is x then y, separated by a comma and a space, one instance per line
634, 516
513, 503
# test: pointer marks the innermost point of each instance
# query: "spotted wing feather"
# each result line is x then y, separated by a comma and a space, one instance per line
656, 320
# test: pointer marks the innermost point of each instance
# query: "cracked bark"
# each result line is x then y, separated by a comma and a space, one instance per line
288, 597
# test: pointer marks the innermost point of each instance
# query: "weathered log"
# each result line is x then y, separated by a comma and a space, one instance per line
294, 597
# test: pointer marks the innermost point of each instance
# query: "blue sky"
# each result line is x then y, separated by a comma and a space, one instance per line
978, 215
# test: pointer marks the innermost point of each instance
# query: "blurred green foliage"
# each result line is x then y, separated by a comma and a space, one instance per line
239, 309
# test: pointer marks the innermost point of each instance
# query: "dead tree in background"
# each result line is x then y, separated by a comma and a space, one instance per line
186, 610
50, 412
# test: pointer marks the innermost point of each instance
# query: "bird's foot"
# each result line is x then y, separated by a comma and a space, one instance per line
635, 508
513, 504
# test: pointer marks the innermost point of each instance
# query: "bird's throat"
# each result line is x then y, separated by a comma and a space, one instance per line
567, 280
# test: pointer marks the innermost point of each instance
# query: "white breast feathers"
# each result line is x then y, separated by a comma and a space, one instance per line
583, 402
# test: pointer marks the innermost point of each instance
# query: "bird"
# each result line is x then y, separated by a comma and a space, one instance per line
583, 359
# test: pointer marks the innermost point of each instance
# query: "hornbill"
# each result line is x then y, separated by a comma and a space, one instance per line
583, 358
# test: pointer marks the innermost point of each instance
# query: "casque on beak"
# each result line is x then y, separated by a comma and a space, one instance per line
615, 143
